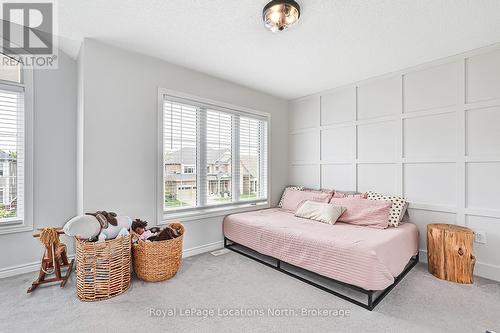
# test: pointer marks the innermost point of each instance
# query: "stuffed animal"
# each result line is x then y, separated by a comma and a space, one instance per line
155, 230
167, 233
139, 226
101, 225
123, 233
153, 234
113, 230
140, 232
105, 218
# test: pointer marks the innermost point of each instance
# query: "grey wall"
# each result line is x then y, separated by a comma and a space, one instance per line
118, 122
54, 162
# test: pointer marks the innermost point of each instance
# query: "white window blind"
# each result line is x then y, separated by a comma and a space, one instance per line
12, 152
252, 157
180, 144
219, 161
224, 151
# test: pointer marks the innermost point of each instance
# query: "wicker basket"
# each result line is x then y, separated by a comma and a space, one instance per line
102, 268
158, 261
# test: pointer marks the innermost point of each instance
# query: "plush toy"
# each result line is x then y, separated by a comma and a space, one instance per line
123, 233
105, 218
139, 228
153, 234
167, 233
113, 230
101, 226
155, 230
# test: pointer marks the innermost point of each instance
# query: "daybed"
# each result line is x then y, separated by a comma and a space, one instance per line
365, 259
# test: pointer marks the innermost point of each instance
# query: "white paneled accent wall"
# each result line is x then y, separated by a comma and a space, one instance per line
430, 133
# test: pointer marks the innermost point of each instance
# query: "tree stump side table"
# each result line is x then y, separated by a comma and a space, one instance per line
450, 252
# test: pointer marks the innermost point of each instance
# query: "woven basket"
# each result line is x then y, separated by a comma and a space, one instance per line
158, 261
102, 268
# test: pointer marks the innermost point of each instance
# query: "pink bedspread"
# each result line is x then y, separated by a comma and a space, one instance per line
366, 257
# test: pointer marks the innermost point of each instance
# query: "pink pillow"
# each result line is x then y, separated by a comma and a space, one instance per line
363, 212
294, 198
349, 195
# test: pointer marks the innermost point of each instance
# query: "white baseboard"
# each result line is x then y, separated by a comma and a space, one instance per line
202, 249
481, 269
35, 266
23, 268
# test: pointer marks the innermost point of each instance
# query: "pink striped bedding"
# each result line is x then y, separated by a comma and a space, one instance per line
366, 257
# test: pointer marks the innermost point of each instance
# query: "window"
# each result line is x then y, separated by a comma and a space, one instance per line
252, 143
188, 169
180, 148
218, 149
14, 136
228, 146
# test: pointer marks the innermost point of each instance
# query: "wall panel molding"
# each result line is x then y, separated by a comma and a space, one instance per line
430, 132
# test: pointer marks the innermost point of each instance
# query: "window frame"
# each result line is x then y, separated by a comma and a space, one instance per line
195, 213
16, 224
190, 168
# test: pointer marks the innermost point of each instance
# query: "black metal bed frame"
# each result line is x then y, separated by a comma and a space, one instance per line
370, 305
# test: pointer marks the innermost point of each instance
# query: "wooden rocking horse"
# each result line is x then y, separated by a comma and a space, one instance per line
54, 258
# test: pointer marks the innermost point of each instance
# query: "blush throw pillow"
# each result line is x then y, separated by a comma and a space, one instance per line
298, 188
362, 212
320, 211
398, 208
294, 198
340, 194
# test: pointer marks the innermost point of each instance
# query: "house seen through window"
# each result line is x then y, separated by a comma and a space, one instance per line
229, 148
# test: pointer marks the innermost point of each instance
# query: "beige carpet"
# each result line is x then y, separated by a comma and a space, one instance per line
231, 293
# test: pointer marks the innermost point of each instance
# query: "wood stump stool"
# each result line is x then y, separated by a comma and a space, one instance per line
450, 252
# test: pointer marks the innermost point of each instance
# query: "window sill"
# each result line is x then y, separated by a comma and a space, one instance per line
14, 226
198, 214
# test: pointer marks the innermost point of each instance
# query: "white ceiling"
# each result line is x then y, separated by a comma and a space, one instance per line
336, 41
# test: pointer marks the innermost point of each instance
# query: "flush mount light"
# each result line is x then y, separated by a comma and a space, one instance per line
279, 15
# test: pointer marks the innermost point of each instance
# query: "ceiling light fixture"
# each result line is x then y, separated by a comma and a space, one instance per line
279, 15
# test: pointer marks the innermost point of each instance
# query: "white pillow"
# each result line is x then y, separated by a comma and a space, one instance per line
83, 226
320, 211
